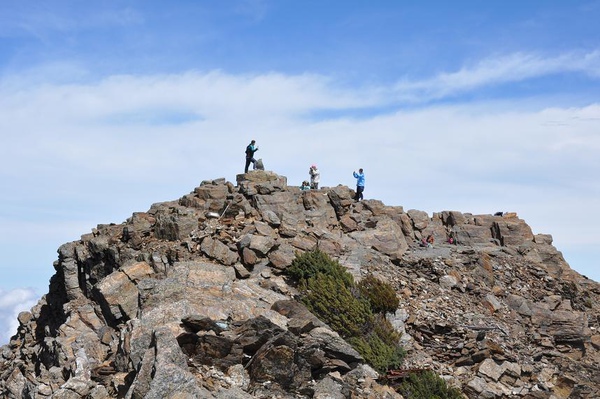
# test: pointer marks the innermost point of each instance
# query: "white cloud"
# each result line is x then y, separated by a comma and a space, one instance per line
13, 302
209, 95
499, 70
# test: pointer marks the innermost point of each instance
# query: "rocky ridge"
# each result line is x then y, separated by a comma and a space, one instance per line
188, 299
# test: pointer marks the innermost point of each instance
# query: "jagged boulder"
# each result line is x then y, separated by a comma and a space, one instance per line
118, 292
261, 182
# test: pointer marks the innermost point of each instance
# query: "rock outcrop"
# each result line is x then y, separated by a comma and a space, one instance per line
189, 300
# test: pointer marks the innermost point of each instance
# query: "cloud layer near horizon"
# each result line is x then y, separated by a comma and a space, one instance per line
11, 304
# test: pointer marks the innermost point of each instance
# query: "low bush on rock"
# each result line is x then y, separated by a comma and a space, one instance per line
357, 313
310, 263
380, 347
381, 295
427, 385
351, 310
332, 302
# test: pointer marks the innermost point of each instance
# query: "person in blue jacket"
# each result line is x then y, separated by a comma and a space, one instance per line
360, 184
250, 150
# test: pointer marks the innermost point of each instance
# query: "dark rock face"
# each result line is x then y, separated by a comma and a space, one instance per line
188, 299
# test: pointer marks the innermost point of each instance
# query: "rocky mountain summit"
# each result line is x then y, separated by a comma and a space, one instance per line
190, 300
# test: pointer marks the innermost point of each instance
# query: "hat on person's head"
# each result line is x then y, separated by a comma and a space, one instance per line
313, 166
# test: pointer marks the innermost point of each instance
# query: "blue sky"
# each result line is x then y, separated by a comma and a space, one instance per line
108, 107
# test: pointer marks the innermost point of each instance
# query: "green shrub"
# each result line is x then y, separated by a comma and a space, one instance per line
332, 302
356, 312
308, 264
381, 295
330, 293
427, 385
381, 356
385, 331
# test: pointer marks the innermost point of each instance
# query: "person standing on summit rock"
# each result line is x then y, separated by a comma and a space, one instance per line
315, 177
250, 150
360, 184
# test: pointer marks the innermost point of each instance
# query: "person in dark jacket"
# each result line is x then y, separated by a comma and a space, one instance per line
250, 150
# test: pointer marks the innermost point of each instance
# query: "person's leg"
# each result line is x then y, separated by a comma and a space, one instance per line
253, 163
359, 193
248, 160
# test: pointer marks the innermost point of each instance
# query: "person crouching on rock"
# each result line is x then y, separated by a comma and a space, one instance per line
430, 241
